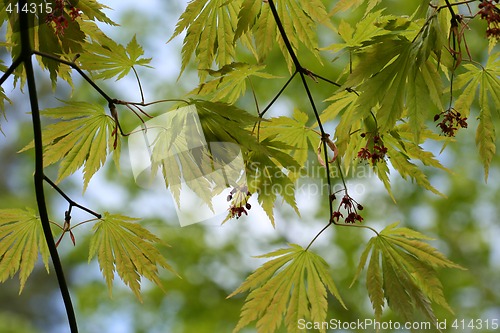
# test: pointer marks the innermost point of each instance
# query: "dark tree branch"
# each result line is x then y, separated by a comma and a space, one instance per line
26, 57
303, 72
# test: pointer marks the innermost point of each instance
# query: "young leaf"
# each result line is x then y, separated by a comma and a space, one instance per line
229, 82
83, 137
402, 272
124, 246
294, 132
487, 78
293, 285
21, 240
92, 10
266, 176
343, 5
210, 32
109, 59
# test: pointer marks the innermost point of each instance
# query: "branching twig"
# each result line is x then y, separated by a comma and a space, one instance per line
302, 73
69, 200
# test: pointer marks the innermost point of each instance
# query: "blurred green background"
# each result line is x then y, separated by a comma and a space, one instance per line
213, 259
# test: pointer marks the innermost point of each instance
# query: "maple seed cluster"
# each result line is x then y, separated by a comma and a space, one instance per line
451, 121
352, 207
489, 12
375, 153
239, 205
58, 16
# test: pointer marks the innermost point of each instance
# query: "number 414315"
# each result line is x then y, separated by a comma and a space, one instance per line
31, 8
475, 324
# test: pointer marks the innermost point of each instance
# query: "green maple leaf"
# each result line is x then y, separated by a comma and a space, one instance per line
125, 247
82, 138
21, 240
402, 273
92, 10
210, 30
109, 59
487, 78
292, 286
229, 82
294, 132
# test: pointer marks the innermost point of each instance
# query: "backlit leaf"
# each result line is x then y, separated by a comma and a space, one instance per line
230, 82
21, 241
125, 247
292, 286
109, 59
82, 137
401, 272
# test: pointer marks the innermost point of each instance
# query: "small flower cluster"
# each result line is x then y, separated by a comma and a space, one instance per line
374, 153
452, 120
58, 16
352, 207
489, 12
239, 201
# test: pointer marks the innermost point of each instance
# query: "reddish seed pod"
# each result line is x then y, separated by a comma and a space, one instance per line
248, 206
360, 207
436, 117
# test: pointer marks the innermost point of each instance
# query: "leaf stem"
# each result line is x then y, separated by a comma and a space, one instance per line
319, 233
138, 83
26, 57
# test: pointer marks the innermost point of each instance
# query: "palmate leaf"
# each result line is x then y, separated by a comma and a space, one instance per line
401, 272
82, 137
229, 82
210, 32
21, 240
394, 69
294, 132
343, 5
109, 59
487, 78
266, 170
365, 30
125, 247
291, 286
401, 150
45, 39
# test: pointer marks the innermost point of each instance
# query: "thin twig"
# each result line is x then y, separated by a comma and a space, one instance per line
79, 70
11, 69
68, 199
